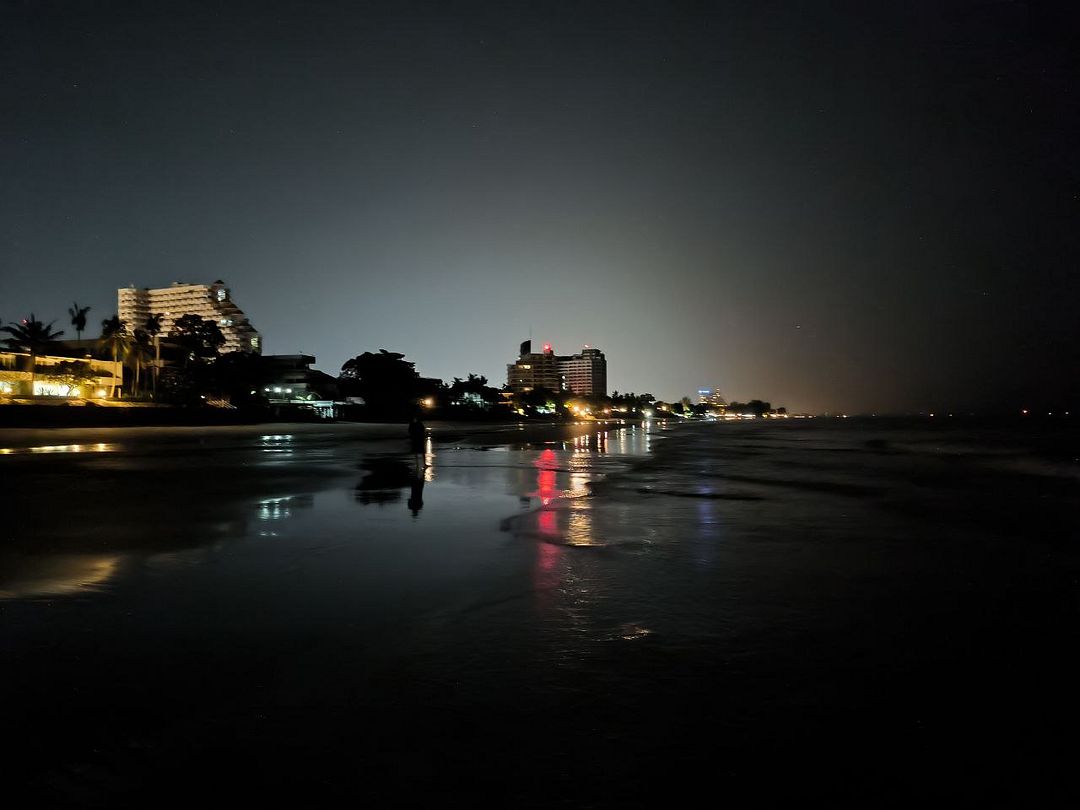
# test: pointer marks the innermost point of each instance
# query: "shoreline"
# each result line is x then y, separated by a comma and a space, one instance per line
442, 432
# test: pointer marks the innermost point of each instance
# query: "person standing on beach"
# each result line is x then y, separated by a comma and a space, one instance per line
417, 438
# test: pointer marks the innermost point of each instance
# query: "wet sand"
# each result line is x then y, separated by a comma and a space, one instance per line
163, 588
551, 616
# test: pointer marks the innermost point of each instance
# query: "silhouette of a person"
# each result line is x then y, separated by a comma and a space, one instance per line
417, 436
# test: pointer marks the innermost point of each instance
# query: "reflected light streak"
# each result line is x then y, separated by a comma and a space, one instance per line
277, 443
274, 509
99, 447
60, 575
429, 460
579, 528
548, 523
549, 557
632, 632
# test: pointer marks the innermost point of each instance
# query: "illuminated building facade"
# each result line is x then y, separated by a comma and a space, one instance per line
711, 396
534, 370
211, 302
74, 377
585, 374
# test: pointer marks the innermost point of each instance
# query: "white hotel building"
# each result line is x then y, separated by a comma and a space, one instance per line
210, 302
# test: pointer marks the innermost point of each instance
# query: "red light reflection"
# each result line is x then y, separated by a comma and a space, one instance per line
546, 575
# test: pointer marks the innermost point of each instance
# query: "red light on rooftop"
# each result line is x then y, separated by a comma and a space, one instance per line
547, 347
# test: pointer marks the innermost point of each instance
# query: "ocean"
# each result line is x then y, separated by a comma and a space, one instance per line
855, 611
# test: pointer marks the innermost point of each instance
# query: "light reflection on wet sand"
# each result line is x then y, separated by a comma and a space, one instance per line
25, 577
213, 515
96, 447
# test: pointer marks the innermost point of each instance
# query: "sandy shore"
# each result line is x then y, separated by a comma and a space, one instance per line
465, 433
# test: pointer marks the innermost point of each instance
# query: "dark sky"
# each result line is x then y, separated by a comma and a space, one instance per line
834, 206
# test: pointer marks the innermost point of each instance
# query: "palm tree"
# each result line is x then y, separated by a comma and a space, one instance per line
31, 336
152, 328
139, 350
78, 317
114, 336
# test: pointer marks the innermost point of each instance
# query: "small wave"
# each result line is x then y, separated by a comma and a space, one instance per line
837, 487
711, 496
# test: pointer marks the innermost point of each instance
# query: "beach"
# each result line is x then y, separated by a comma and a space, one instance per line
585, 615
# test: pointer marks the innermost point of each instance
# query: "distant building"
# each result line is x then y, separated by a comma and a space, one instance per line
584, 374
534, 370
711, 396
211, 302
289, 380
470, 399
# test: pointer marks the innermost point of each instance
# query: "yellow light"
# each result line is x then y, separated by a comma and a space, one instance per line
101, 392
428, 402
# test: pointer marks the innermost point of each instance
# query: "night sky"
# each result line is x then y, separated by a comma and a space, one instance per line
833, 206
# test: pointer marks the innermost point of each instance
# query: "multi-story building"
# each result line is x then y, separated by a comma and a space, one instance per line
585, 374
534, 370
211, 302
711, 396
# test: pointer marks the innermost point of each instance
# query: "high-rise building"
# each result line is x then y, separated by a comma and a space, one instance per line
211, 302
711, 396
585, 374
534, 370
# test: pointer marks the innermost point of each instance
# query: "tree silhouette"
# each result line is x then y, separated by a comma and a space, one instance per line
139, 350
152, 327
33, 337
473, 384
236, 377
115, 339
78, 317
200, 338
386, 380
754, 406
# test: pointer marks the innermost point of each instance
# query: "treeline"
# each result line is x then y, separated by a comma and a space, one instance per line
186, 367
